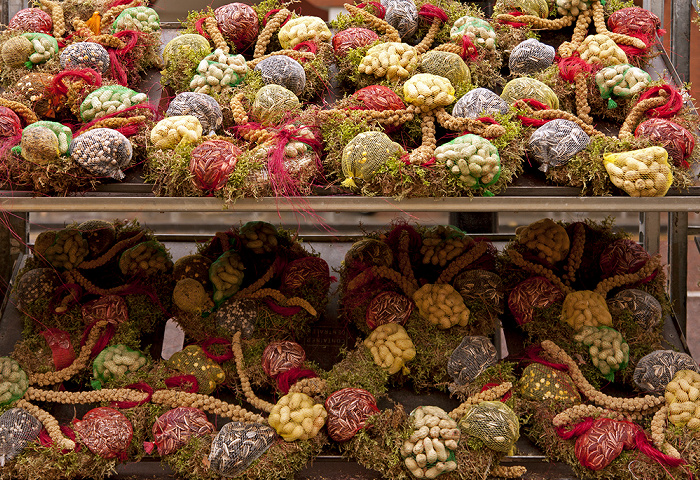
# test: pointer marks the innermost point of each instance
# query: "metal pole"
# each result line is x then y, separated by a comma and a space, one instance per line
678, 262
656, 7
650, 231
680, 37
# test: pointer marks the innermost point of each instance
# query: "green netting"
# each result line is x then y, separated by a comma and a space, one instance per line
63, 133
446, 64
622, 80
219, 70
193, 361
114, 362
226, 274
607, 348
45, 46
472, 159
13, 381
142, 19
479, 31
494, 423
109, 99
526, 87
364, 154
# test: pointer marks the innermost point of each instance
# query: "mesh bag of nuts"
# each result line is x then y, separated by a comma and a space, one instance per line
13, 381
556, 142
622, 256
238, 23
211, 163
226, 274
105, 431
85, 55
640, 173
441, 305
43, 48
430, 450
31, 20
538, 8
388, 307
204, 107
603, 442
297, 417
402, 15
393, 60
478, 102
621, 80
193, 361
109, 99
525, 87
217, 71
190, 296
38, 145
35, 88
147, 258
303, 29
472, 159
114, 362
546, 238
479, 31
572, 7
351, 38
677, 140
237, 315
259, 237
428, 91
238, 445
494, 423
390, 346
585, 308
141, 19
601, 49
348, 410
172, 132
281, 356
64, 249
540, 382
442, 244
17, 428
655, 370
645, 309
283, 70
533, 293
176, 427
683, 399
471, 358
634, 21
364, 154
273, 103
16, 51
609, 352
36, 284
186, 45
530, 56
63, 133
446, 64
482, 286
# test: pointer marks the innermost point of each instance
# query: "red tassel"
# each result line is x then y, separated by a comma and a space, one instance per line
431, 11
104, 339
200, 29
227, 355
533, 354
140, 386
273, 12
90, 76
188, 383
469, 51
68, 432
576, 430
647, 449
61, 349
286, 379
514, 24
120, 113
670, 108
279, 309
149, 447
569, 67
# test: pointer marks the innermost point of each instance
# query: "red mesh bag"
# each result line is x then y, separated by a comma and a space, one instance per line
348, 410
31, 20
105, 431
350, 38
621, 257
604, 441
112, 308
388, 307
677, 140
535, 292
378, 97
238, 23
10, 124
635, 21
212, 162
300, 272
278, 357
174, 428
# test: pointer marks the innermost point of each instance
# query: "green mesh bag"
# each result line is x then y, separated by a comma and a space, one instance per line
189, 45
109, 99
259, 237
494, 423
364, 154
13, 381
115, 362
621, 80
540, 382
226, 274
446, 64
430, 450
526, 87
147, 258
141, 19
538, 8
63, 133
217, 71
44, 46
193, 361
273, 103
479, 31
64, 249
607, 348
472, 159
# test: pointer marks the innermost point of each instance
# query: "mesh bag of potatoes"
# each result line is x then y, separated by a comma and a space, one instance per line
217, 71
102, 151
494, 423
193, 361
601, 49
585, 308
390, 346
109, 99
204, 107
640, 173
115, 362
226, 274
525, 87
17, 429
478, 102
13, 381
446, 64
471, 358
273, 103
479, 31
621, 80
609, 352
393, 60
683, 399
572, 7
146, 259
64, 249
653, 371
29, 49
171, 132
141, 19
85, 55
530, 56
303, 29
441, 305
238, 445
283, 70
428, 91
556, 142
540, 382
471, 159
430, 450
402, 15
546, 238
297, 417
63, 133
364, 154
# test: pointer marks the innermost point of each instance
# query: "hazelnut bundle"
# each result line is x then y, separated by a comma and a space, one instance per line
441, 305
683, 399
430, 450
226, 273
391, 347
472, 159
428, 91
608, 349
297, 417
146, 258
13, 381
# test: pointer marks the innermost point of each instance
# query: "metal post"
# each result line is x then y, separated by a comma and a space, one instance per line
680, 37
650, 231
13, 240
678, 262
656, 7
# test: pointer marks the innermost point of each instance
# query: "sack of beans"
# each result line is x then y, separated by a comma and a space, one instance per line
494, 423
102, 152
226, 274
428, 91
13, 381
200, 105
141, 19
601, 50
217, 71
238, 445
526, 87
430, 450
472, 159
556, 142
479, 31
621, 80
114, 362
105, 431
176, 427
393, 60
172, 132
109, 99
479, 102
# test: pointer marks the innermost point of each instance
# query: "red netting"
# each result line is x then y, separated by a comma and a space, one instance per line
112, 308
604, 441
281, 356
388, 307
31, 20
670, 108
634, 20
212, 162
535, 292
569, 67
348, 410
61, 349
175, 427
105, 431
10, 124
621, 257
431, 11
238, 23
677, 140
350, 38
378, 97
304, 270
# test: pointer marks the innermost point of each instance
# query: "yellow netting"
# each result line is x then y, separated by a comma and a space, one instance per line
525, 87
303, 29
190, 44
640, 173
393, 60
494, 423
428, 91
172, 131
602, 50
446, 64
364, 154
273, 103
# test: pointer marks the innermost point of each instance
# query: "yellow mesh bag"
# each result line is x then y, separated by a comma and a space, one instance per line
602, 50
640, 173
393, 60
428, 91
683, 399
172, 131
446, 64
494, 423
190, 44
364, 154
303, 29
525, 87
541, 382
218, 71
273, 103
585, 308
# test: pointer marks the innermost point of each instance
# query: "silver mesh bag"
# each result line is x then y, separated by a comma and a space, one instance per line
530, 56
200, 105
655, 370
238, 445
17, 429
102, 151
479, 102
237, 314
283, 70
646, 310
402, 15
471, 358
556, 142
85, 55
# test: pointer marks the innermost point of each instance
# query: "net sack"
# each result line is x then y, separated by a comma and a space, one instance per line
538, 8
540, 382
176, 427
145, 259
17, 428
102, 152
217, 71
141, 19
526, 87
111, 308
109, 99
85, 55
388, 307
44, 47
36, 284
441, 305
677, 140
607, 348
303, 29
428, 91
390, 346
585, 308
281, 356
481, 286
446, 64
533, 294
621, 80
546, 238
273, 103
237, 315
602, 50
31, 20
530, 56
622, 256
369, 251
238, 445
259, 237
39, 145
479, 31
572, 7
238, 23
192, 266
364, 154
211, 163
655, 370
67, 250
556, 142
115, 361
16, 51
479, 102
604, 441
494, 423
472, 159
348, 410
296, 417
351, 38
378, 97
99, 234
105, 431
193, 361
683, 399
646, 310
471, 358
306, 273
36, 88
283, 70
205, 108
640, 173
226, 274
443, 244
393, 60
63, 133
430, 450
13, 381
190, 296
188, 45
172, 132
10, 124
634, 21
402, 15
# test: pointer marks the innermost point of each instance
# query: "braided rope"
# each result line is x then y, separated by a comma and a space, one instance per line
493, 393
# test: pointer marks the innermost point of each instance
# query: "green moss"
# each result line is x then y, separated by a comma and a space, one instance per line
357, 370
191, 461
55, 465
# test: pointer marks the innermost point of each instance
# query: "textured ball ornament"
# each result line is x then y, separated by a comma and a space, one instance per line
211, 163
471, 358
16, 51
348, 410
105, 431
530, 56
102, 152
273, 103
63, 133
85, 55
39, 145
238, 23
479, 102
677, 140
279, 357
538, 8
283, 70
31, 20
190, 296
203, 106
303, 29
655, 370
378, 97
192, 266
351, 38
